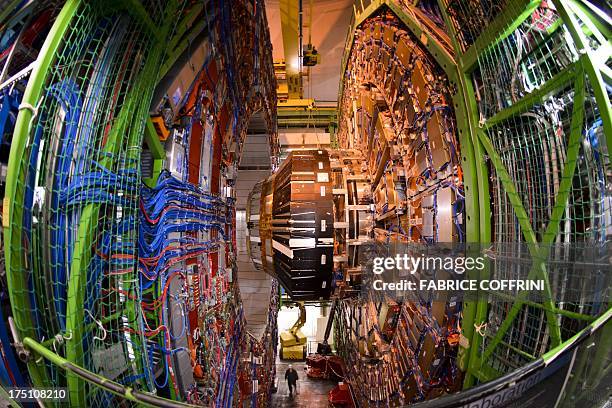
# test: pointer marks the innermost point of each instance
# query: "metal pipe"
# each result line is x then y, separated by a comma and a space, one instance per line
104, 383
300, 36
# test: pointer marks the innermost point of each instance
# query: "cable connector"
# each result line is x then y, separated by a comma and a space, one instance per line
23, 353
480, 328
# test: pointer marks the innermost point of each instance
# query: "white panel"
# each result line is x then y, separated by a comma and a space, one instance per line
302, 243
282, 248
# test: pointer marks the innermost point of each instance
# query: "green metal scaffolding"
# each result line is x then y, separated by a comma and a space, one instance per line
503, 131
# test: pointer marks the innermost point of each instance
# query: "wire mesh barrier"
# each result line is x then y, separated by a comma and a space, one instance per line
470, 18
537, 51
542, 128
122, 292
562, 376
75, 200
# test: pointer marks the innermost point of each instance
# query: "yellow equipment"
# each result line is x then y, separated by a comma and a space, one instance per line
293, 341
311, 56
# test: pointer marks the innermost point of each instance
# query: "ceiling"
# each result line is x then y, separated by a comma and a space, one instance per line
330, 22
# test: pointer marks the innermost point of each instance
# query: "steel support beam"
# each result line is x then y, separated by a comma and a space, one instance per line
498, 30
290, 27
593, 66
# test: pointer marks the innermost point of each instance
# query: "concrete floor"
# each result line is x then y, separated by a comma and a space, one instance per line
312, 393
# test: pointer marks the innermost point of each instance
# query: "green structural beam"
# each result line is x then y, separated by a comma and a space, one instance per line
510, 189
475, 179
478, 226
157, 150
178, 49
86, 237
450, 26
598, 331
17, 276
561, 312
593, 66
592, 25
572, 155
498, 30
602, 321
553, 225
476, 361
139, 13
4, 396
142, 399
601, 20
158, 167
185, 25
152, 140
563, 78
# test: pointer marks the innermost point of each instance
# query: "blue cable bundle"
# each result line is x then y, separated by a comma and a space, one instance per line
9, 108
67, 95
99, 187
172, 188
175, 206
171, 216
229, 372
104, 261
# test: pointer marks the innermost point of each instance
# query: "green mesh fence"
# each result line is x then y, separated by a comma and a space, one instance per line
469, 18
543, 115
73, 197
528, 57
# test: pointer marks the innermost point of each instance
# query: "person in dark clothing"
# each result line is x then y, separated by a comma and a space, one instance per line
291, 376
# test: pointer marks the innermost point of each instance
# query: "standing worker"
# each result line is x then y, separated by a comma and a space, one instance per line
291, 376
